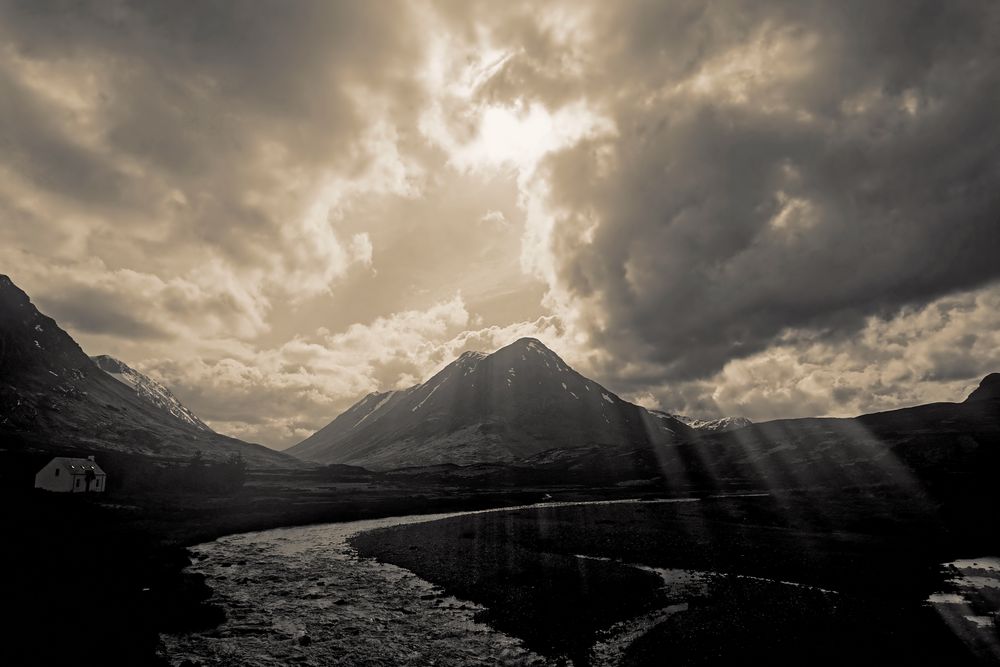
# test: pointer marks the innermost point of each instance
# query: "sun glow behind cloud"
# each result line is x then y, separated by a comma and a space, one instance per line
486, 134
480, 133
651, 181
520, 136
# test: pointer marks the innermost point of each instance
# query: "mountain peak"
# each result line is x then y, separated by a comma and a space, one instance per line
10, 294
31, 341
524, 346
529, 343
988, 389
505, 406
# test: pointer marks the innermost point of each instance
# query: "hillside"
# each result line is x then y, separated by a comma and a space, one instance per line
515, 403
54, 398
149, 390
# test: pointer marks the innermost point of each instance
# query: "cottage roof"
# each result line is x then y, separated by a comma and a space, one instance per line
76, 466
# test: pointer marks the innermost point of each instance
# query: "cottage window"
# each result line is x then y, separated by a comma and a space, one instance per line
57, 472
77, 483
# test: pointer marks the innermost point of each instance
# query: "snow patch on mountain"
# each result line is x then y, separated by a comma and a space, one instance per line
417, 406
148, 389
378, 406
710, 425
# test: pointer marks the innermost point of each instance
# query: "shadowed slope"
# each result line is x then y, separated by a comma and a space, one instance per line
53, 397
148, 389
517, 402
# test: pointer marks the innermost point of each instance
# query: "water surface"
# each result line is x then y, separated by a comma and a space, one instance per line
303, 596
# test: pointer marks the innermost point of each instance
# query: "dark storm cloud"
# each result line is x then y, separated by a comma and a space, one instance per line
40, 151
777, 166
755, 182
96, 312
215, 105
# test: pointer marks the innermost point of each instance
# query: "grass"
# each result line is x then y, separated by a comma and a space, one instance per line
880, 554
102, 574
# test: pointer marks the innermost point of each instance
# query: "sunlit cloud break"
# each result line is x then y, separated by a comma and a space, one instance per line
716, 210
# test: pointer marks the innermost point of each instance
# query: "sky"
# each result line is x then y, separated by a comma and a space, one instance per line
771, 209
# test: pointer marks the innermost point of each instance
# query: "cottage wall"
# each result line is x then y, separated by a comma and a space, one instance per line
48, 479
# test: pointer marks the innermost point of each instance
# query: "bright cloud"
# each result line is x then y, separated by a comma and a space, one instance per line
773, 209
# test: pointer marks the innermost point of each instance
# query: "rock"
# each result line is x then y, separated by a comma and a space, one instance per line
305, 640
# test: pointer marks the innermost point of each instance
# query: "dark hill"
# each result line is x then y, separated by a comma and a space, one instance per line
518, 402
54, 398
988, 389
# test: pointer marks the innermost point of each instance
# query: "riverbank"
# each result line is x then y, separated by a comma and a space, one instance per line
787, 579
301, 596
106, 573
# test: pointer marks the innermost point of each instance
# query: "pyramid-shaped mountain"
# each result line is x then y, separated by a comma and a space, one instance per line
517, 402
53, 397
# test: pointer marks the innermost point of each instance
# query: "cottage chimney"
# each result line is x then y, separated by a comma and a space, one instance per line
91, 458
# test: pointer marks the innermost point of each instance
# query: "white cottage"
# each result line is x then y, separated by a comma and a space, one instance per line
69, 475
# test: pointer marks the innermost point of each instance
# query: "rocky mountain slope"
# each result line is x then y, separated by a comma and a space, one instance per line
518, 402
937, 445
935, 450
54, 398
148, 390
707, 425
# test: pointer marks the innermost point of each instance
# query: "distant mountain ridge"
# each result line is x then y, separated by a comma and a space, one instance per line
148, 389
708, 425
53, 397
515, 403
522, 416
936, 448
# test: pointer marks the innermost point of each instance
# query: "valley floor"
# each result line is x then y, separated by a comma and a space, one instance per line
778, 579
103, 574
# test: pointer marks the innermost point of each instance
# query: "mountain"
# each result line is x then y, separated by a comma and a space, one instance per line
148, 390
518, 402
946, 450
707, 425
934, 446
988, 389
53, 397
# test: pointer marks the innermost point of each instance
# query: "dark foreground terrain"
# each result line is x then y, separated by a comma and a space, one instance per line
104, 574
101, 576
865, 562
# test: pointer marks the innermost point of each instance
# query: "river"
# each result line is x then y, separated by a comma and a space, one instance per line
303, 596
